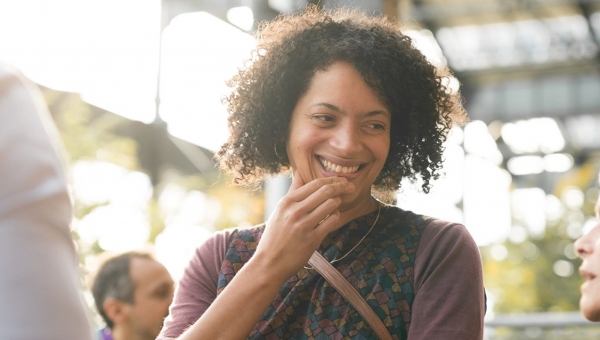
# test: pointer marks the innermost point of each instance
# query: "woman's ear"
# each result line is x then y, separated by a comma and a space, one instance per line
116, 310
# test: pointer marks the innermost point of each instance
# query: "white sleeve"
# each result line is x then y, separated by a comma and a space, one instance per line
39, 295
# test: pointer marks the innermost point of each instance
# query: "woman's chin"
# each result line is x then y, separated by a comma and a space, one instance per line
354, 201
590, 309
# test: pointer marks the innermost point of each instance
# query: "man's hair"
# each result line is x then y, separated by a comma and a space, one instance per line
292, 48
113, 280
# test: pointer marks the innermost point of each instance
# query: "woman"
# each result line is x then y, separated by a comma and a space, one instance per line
346, 104
588, 248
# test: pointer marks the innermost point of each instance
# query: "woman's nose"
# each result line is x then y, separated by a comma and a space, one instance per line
579, 246
347, 139
585, 244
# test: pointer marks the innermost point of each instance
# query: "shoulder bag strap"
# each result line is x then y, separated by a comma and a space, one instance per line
345, 288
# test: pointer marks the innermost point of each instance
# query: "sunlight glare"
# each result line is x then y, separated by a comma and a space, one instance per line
487, 212
200, 53
425, 41
117, 228
107, 51
241, 17
529, 208
176, 245
558, 162
104, 182
479, 141
445, 193
525, 165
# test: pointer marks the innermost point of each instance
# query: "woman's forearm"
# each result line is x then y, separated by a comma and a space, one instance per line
238, 308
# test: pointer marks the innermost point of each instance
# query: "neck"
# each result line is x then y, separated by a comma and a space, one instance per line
362, 207
124, 333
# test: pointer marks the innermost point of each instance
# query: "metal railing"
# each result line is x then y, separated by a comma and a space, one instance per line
547, 326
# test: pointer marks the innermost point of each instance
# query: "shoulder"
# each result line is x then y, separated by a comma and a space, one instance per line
440, 231
8, 73
446, 244
218, 243
439, 228
251, 234
432, 229
398, 220
16, 89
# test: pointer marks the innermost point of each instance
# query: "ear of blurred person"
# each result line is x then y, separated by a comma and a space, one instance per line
132, 292
588, 248
39, 282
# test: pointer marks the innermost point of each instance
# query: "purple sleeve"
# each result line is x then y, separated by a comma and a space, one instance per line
197, 289
449, 294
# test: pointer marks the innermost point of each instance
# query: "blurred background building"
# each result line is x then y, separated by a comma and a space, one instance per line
135, 87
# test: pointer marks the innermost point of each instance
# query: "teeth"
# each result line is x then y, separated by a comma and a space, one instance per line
338, 168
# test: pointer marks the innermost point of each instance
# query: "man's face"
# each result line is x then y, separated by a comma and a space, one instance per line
152, 298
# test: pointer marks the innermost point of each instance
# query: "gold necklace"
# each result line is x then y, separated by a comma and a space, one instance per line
359, 242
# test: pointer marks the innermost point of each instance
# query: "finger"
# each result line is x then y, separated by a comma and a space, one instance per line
323, 211
327, 192
328, 225
339, 185
323, 220
297, 182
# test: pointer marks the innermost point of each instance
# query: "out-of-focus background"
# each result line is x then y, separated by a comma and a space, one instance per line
135, 87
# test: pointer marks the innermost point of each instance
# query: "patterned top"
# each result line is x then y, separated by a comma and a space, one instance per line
381, 267
422, 276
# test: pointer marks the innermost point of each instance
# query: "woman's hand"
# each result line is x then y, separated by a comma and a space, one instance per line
299, 224
293, 232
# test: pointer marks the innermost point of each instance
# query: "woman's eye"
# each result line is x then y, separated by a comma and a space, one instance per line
323, 118
376, 126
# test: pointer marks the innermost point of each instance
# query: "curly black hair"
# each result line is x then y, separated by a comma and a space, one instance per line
292, 48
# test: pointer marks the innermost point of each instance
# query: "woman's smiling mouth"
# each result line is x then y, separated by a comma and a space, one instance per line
331, 167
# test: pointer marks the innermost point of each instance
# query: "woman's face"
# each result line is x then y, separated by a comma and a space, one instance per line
588, 248
340, 127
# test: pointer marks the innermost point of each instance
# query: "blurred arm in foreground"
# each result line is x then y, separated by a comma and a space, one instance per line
38, 285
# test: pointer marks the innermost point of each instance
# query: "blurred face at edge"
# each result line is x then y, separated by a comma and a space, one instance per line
153, 295
340, 127
588, 248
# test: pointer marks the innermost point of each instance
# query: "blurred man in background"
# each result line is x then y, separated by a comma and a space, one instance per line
588, 248
132, 292
39, 289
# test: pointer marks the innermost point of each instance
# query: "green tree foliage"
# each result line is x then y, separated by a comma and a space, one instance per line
539, 274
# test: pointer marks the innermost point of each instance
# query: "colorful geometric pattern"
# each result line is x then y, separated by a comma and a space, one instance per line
381, 268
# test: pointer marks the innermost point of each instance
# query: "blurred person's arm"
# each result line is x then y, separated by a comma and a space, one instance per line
38, 264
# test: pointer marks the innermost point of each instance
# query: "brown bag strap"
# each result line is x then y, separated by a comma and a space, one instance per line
345, 288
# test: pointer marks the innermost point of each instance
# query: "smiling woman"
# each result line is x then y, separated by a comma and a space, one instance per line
340, 127
349, 107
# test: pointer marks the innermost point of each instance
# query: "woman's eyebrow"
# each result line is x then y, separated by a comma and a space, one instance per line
337, 109
329, 106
